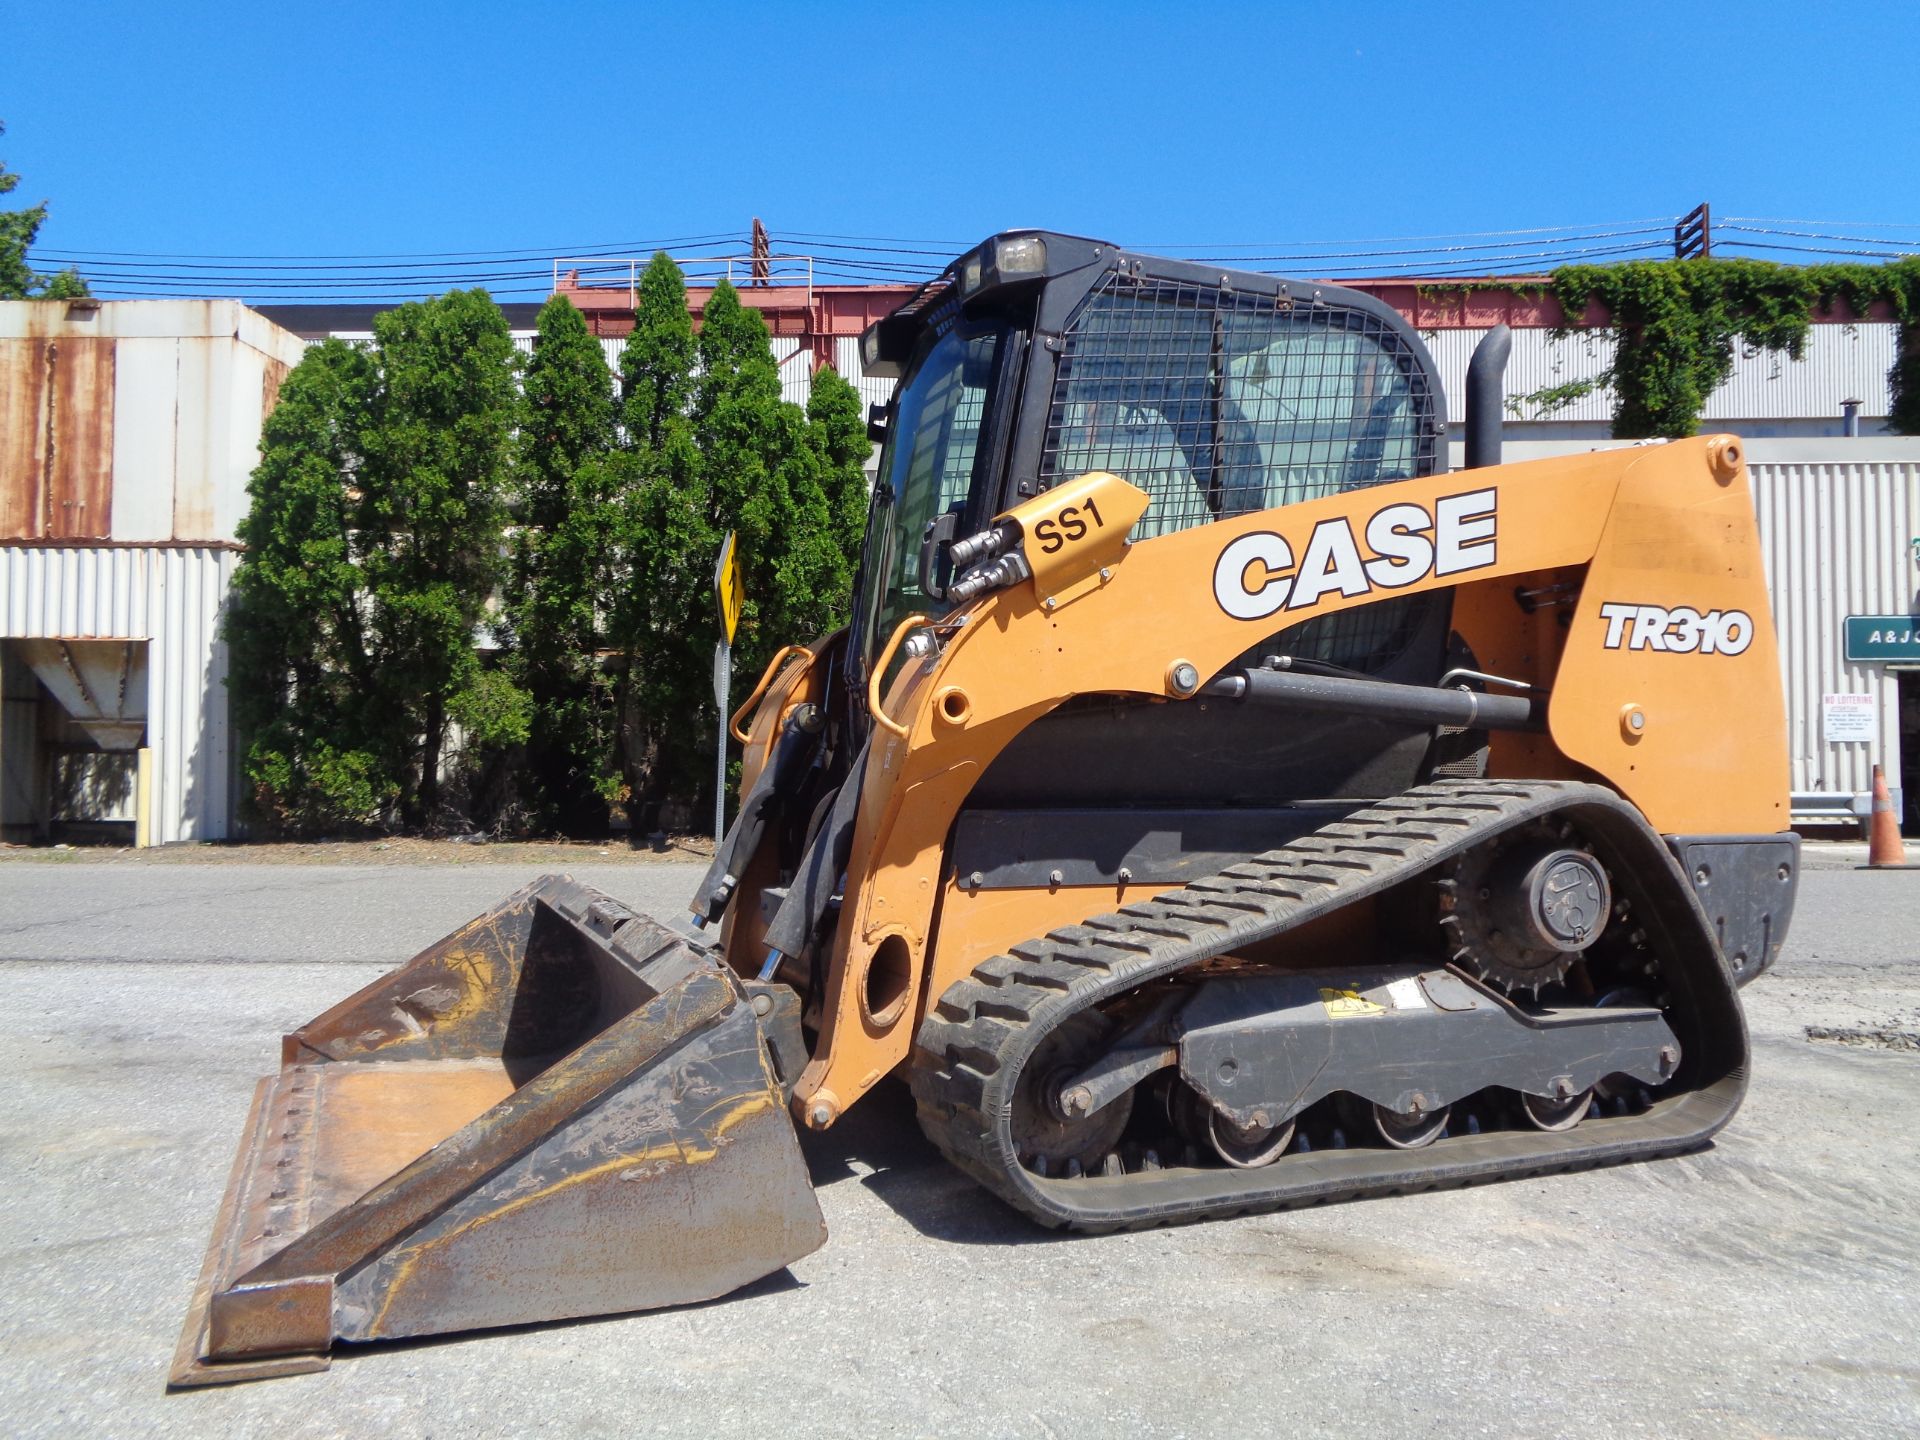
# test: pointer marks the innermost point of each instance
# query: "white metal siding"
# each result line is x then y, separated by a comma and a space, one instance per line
1842, 362
796, 369
1536, 361
146, 395
846, 359
1838, 541
172, 597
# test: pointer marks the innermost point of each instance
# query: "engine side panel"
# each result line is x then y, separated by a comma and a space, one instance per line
1670, 684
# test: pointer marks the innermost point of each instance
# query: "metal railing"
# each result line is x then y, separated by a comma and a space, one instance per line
743, 272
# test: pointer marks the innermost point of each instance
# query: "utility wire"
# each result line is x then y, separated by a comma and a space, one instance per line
1551, 230
842, 258
170, 264
1745, 229
1810, 249
1446, 250
544, 252
1843, 224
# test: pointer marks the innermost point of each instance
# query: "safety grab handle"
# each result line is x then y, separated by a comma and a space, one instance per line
874, 707
760, 690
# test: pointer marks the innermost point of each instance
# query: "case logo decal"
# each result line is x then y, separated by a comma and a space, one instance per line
1681, 630
1257, 574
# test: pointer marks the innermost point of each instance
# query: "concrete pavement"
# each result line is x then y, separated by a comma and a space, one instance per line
1770, 1285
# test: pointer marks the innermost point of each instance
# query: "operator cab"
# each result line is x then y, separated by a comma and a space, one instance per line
1036, 357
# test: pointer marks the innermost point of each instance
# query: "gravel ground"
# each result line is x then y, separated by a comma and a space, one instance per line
1767, 1286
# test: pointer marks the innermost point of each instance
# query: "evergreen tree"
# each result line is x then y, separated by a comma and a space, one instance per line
656, 363
432, 505
713, 448
303, 674
377, 539
663, 612
767, 482
373, 549
838, 423
565, 557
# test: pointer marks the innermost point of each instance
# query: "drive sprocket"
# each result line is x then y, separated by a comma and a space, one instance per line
1519, 911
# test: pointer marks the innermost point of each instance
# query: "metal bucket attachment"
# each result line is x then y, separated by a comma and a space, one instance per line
562, 1109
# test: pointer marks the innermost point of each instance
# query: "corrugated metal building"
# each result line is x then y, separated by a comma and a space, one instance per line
127, 434
1841, 527
1766, 397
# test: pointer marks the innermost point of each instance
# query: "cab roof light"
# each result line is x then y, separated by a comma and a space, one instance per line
878, 360
1020, 255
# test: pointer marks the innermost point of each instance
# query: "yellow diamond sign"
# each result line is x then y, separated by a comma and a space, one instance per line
728, 588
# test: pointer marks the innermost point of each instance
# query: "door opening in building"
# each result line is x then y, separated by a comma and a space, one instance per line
73, 724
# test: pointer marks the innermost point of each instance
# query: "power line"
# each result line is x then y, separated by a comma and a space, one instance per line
1843, 224
1534, 261
170, 264
544, 252
843, 258
1742, 229
1562, 231
1445, 251
1812, 249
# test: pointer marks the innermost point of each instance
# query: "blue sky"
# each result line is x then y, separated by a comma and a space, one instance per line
396, 129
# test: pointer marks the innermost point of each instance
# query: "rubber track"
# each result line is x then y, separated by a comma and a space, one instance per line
972, 1044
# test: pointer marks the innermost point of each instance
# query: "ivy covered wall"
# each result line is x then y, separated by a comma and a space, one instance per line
1676, 324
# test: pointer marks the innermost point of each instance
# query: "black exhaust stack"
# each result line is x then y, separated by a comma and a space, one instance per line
1486, 397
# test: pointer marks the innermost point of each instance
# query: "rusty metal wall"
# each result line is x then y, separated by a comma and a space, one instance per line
133, 420
56, 437
170, 596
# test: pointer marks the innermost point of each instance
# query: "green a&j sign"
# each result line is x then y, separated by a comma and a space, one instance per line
1883, 637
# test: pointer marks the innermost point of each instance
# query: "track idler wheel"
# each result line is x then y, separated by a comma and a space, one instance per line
1410, 1131
1243, 1147
1544, 1113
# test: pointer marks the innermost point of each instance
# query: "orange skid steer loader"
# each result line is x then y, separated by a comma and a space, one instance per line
1212, 804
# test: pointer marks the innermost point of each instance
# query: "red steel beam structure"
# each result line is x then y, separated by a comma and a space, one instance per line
817, 315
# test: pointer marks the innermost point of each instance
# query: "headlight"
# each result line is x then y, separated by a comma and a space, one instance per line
1021, 255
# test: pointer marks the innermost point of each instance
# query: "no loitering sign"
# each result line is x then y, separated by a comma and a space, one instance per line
1847, 719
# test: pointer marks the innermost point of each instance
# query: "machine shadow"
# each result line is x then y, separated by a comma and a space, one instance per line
880, 1144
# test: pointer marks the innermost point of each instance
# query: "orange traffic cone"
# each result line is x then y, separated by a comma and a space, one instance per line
1884, 847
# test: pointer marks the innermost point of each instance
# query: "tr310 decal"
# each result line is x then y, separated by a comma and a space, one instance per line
1681, 630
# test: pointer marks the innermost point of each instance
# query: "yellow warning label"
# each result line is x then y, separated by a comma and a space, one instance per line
1345, 1004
